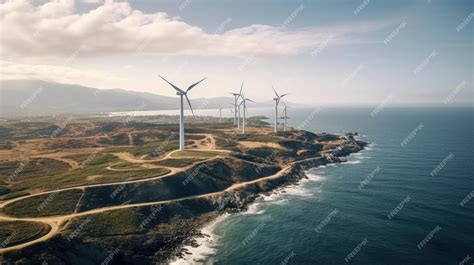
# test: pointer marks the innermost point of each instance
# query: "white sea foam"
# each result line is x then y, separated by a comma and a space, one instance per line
254, 208
207, 245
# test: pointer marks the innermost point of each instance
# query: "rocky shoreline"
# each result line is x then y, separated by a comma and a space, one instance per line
173, 226
239, 201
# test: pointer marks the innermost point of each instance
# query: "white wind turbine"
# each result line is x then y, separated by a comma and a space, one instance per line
220, 113
181, 93
277, 101
244, 101
284, 117
236, 98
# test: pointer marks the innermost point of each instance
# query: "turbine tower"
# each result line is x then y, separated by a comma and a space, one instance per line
220, 113
236, 98
244, 101
277, 101
284, 117
181, 93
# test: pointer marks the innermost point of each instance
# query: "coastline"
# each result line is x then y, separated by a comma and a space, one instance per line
203, 245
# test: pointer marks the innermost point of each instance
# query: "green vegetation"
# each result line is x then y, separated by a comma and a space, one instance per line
16, 232
182, 162
117, 139
56, 203
263, 138
33, 168
226, 143
194, 154
96, 158
4, 190
151, 149
109, 223
127, 166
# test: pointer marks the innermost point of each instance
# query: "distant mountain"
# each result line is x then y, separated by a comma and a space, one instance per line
34, 96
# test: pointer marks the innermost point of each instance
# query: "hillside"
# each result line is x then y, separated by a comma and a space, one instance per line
33, 96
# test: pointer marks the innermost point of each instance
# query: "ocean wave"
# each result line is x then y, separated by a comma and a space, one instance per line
254, 208
206, 245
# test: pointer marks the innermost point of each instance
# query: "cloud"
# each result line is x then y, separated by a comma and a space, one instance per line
60, 74
91, 1
53, 29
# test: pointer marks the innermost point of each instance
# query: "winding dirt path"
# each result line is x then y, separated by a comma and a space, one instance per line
55, 221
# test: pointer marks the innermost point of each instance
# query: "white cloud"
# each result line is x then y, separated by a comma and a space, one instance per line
60, 74
92, 1
53, 29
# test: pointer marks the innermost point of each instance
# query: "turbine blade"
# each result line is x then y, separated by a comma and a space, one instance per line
275, 92
189, 103
241, 87
284, 95
195, 84
250, 100
175, 87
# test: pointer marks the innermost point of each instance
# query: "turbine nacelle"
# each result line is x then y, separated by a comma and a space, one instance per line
182, 93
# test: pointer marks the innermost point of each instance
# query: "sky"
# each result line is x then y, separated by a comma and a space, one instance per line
320, 51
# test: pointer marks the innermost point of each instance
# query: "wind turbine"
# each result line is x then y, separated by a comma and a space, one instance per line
277, 101
220, 113
181, 93
244, 101
284, 117
236, 98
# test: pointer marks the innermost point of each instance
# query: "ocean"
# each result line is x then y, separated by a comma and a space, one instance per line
407, 199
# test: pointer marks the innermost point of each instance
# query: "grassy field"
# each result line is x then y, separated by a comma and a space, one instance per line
183, 162
127, 166
110, 223
16, 232
58, 203
33, 168
194, 154
93, 170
